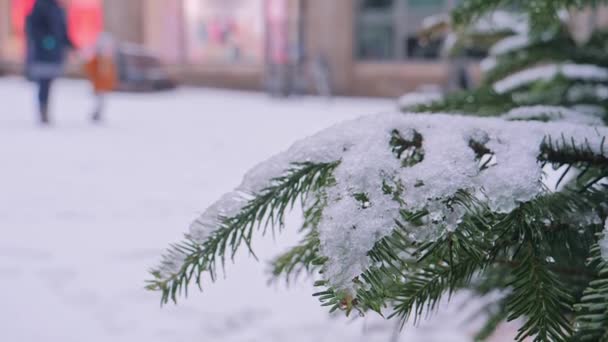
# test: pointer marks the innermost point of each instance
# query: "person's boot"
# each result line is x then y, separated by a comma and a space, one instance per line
96, 116
44, 115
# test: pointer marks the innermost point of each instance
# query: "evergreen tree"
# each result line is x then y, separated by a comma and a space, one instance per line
504, 187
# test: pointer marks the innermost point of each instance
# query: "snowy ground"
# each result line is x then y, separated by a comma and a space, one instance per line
86, 210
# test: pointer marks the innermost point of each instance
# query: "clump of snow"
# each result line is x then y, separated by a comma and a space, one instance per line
509, 44
595, 110
548, 72
488, 64
584, 72
587, 91
604, 242
501, 21
555, 113
411, 100
349, 229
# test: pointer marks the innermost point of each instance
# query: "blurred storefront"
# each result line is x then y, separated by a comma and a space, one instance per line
209, 42
354, 47
361, 47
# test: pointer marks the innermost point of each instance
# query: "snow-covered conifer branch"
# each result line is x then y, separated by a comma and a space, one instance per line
374, 172
402, 209
558, 46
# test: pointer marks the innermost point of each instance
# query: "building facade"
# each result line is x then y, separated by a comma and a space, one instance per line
353, 47
369, 47
208, 42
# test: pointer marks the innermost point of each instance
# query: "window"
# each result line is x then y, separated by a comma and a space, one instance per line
377, 4
387, 29
376, 41
224, 32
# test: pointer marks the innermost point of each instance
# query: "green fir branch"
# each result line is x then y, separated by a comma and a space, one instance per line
303, 258
410, 152
336, 299
470, 10
559, 48
485, 102
414, 277
536, 221
592, 311
542, 281
569, 151
479, 102
423, 289
267, 208
539, 298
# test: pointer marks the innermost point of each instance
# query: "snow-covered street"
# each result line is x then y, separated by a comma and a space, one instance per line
86, 210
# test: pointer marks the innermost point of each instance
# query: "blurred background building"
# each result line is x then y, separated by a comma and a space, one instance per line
346, 47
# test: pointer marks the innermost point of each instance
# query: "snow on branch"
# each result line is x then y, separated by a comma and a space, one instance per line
510, 44
583, 72
414, 99
488, 64
373, 170
582, 115
501, 21
582, 92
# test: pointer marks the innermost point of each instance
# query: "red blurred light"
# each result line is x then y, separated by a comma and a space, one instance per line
85, 19
19, 10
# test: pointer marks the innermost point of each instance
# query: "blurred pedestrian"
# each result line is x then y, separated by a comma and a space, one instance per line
101, 71
47, 45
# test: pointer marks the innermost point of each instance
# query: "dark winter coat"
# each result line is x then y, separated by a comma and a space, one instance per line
47, 40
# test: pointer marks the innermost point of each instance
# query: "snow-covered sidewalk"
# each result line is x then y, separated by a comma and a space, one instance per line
86, 210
